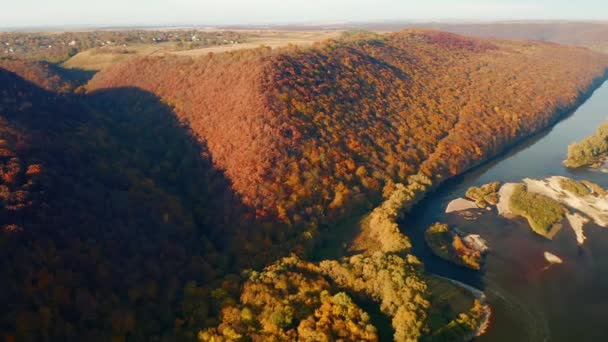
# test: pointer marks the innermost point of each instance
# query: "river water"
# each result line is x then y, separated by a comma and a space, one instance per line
531, 300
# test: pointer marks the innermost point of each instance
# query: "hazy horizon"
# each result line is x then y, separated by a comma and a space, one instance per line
114, 13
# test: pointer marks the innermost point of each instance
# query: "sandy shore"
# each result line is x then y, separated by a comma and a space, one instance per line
504, 196
577, 222
460, 204
594, 207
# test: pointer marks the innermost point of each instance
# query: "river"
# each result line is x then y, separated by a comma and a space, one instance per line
530, 301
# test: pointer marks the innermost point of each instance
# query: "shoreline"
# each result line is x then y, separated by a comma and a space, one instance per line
504, 196
420, 195
560, 114
479, 295
577, 222
460, 204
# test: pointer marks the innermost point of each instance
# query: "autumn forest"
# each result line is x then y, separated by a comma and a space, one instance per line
173, 198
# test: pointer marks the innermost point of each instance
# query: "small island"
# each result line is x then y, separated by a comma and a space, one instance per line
591, 151
546, 203
543, 213
485, 195
449, 245
482, 197
552, 258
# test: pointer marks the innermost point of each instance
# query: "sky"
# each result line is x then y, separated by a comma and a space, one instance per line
65, 13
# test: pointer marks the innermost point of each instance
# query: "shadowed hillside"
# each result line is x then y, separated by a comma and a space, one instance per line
112, 217
46, 75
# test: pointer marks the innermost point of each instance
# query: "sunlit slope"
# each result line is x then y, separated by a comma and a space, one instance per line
310, 135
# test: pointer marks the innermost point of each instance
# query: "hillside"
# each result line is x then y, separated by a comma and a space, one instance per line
311, 135
100, 232
46, 75
160, 202
588, 34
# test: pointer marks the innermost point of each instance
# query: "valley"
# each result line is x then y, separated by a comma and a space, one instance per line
274, 193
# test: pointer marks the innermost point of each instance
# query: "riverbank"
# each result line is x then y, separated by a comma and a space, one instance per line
527, 294
361, 229
484, 322
590, 152
367, 238
558, 115
460, 204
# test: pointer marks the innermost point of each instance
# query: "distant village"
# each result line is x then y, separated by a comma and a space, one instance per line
58, 47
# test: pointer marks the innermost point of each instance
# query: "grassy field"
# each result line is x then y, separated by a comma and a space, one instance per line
273, 39
101, 58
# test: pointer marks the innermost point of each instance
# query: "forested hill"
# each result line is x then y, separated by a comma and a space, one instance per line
46, 75
133, 210
109, 208
312, 135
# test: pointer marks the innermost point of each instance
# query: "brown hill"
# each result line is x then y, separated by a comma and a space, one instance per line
309, 135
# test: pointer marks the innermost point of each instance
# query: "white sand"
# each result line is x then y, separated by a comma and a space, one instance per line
476, 242
594, 207
552, 258
460, 204
577, 222
504, 195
